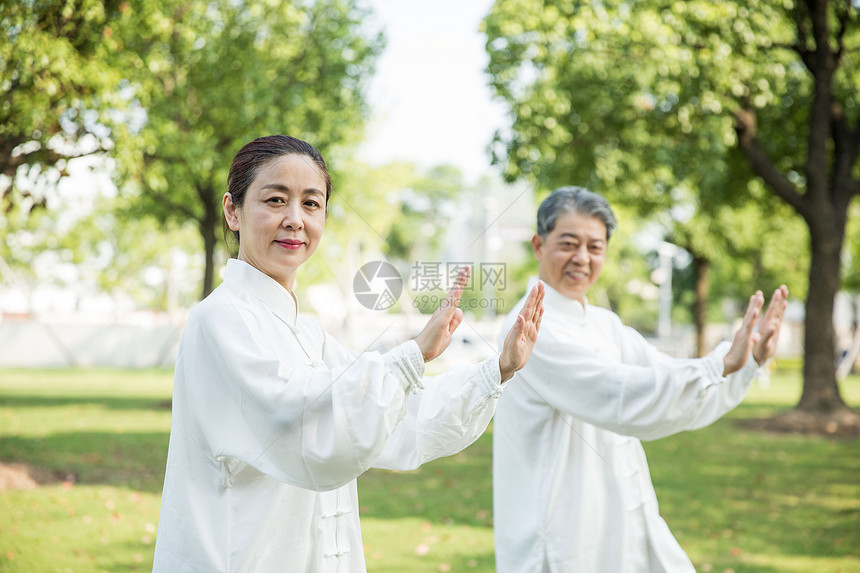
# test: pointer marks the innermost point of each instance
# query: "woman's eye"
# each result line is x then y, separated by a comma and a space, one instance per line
312, 204
276, 200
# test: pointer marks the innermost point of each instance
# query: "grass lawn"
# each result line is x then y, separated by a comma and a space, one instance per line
737, 500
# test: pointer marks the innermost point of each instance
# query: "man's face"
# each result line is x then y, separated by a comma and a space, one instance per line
571, 256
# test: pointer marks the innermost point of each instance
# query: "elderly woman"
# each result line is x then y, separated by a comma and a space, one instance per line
273, 419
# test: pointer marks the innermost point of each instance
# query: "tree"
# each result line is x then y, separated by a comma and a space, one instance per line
392, 211
57, 90
208, 77
695, 102
154, 265
595, 120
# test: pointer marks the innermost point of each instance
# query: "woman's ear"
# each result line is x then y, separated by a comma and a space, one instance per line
231, 212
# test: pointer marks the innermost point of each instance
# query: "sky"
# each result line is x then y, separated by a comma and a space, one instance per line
430, 100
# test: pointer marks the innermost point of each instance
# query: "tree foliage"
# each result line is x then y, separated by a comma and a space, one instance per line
391, 212
208, 77
703, 111
58, 90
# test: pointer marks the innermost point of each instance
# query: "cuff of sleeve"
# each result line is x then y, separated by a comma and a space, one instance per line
752, 371
406, 360
491, 377
714, 365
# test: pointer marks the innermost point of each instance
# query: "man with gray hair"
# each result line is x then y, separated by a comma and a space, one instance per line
572, 490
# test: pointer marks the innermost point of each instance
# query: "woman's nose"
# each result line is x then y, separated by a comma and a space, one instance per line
292, 217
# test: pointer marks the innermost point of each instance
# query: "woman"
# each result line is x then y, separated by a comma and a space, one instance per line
273, 419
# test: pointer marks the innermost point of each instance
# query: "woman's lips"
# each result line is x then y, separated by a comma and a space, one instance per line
290, 243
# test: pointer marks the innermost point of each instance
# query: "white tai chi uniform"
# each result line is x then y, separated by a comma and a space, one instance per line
572, 490
272, 422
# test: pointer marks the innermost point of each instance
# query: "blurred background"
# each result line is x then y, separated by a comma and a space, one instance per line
732, 162
725, 135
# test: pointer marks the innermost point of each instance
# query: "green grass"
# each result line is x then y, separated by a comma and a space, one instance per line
737, 500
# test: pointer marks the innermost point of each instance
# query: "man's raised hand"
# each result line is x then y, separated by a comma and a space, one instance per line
761, 341
769, 327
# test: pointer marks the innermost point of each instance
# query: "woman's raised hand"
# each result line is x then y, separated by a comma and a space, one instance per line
522, 336
436, 335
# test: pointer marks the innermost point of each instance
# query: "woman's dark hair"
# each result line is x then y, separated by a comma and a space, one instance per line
253, 156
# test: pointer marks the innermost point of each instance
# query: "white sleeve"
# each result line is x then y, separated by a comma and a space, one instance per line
652, 397
309, 428
450, 413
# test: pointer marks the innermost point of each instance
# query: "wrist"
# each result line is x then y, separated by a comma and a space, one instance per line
424, 355
505, 372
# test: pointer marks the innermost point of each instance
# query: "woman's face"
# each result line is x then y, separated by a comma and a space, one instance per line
281, 220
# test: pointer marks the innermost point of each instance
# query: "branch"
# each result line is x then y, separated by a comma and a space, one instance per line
745, 127
188, 213
853, 138
854, 134
803, 39
843, 17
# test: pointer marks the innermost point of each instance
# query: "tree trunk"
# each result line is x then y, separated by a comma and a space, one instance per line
208, 230
700, 310
820, 389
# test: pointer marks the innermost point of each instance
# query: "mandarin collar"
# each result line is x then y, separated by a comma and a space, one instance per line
572, 309
249, 279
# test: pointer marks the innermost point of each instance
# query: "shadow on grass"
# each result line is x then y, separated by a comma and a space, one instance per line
477, 563
110, 402
126, 459
452, 490
724, 490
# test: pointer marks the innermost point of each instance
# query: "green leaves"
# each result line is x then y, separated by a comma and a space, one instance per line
55, 88
171, 89
638, 101
212, 76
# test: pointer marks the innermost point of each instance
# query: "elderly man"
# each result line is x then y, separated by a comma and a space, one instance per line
572, 490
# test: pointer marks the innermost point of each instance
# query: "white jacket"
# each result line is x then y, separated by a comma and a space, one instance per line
272, 422
571, 486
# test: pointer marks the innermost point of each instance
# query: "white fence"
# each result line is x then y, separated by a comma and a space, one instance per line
155, 343
40, 344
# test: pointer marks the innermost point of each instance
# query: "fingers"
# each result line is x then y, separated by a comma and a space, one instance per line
518, 328
752, 313
455, 321
777, 306
452, 299
771, 322
772, 318
755, 305
533, 306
